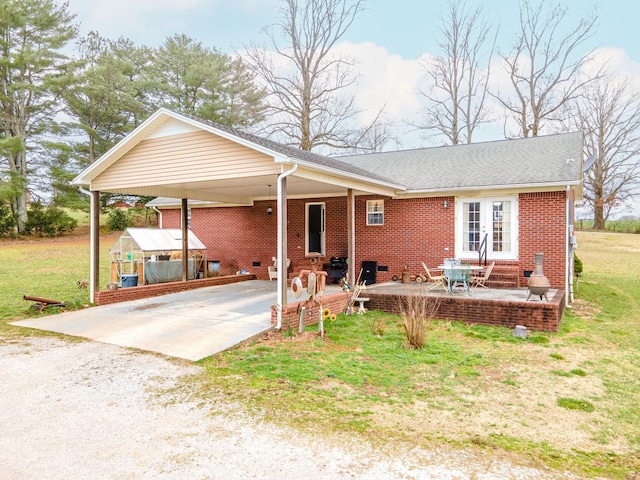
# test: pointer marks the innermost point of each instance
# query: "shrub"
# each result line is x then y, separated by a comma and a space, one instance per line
7, 222
50, 221
577, 265
119, 219
417, 312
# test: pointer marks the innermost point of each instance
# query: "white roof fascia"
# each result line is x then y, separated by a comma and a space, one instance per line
475, 188
343, 174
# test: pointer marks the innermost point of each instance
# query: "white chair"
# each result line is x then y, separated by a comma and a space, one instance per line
273, 269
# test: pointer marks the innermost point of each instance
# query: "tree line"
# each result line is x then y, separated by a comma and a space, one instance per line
61, 108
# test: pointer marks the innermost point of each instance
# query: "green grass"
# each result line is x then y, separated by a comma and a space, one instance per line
472, 387
573, 404
47, 269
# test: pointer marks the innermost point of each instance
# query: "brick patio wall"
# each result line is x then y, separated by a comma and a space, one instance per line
335, 302
414, 230
104, 297
533, 315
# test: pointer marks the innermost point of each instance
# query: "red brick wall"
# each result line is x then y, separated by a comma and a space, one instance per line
104, 297
414, 230
541, 316
542, 229
503, 313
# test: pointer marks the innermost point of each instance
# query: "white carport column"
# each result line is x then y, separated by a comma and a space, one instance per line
281, 301
94, 268
351, 240
185, 241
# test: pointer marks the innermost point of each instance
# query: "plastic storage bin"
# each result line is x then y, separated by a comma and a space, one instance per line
129, 280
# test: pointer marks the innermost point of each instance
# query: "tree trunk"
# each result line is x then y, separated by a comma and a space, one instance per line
21, 211
598, 215
18, 169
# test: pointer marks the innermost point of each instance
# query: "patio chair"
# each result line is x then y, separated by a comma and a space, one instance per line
480, 278
273, 269
435, 279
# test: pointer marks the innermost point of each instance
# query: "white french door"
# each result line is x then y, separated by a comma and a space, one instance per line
493, 218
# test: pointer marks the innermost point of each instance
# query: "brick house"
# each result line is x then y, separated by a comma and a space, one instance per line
250, 199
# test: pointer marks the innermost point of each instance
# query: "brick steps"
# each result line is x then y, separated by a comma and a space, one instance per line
503, 276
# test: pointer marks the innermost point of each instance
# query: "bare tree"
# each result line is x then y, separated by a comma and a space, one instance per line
543, 66
609, 115
456, 106
305, 79
376, 135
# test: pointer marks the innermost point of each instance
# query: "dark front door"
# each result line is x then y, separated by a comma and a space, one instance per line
315, 228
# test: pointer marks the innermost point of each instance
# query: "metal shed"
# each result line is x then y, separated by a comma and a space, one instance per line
154, 255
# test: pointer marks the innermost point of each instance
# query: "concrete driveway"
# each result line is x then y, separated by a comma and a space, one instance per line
191, 325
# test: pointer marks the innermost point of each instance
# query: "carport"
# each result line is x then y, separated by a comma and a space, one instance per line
179, 156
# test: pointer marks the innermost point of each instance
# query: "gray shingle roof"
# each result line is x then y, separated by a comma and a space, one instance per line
528, 161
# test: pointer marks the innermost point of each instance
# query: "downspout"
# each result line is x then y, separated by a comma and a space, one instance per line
568, 252
159, 216
281, 301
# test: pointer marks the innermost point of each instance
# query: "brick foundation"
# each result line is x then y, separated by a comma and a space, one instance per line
104, 297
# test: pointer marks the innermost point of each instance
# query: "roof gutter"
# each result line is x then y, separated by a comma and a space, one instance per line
475, 188
281, 300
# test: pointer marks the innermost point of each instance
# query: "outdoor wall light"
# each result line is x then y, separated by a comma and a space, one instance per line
446, 204
269, 209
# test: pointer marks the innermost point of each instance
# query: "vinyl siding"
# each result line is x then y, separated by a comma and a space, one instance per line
155, 160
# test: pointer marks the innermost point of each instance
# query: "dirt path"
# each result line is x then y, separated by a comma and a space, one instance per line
89, 410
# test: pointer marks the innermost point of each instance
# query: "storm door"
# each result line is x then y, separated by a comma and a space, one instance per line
314, 238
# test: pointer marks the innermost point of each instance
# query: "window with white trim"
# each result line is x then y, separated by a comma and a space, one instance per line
375, 212
492, 220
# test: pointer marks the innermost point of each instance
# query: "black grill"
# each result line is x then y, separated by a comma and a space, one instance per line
335, 268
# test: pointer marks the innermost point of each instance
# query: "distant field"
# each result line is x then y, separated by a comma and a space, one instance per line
621, 226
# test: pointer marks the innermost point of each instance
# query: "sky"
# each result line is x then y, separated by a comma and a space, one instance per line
390, 40
402, 27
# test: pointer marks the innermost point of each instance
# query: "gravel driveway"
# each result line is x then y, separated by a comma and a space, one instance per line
91, 410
